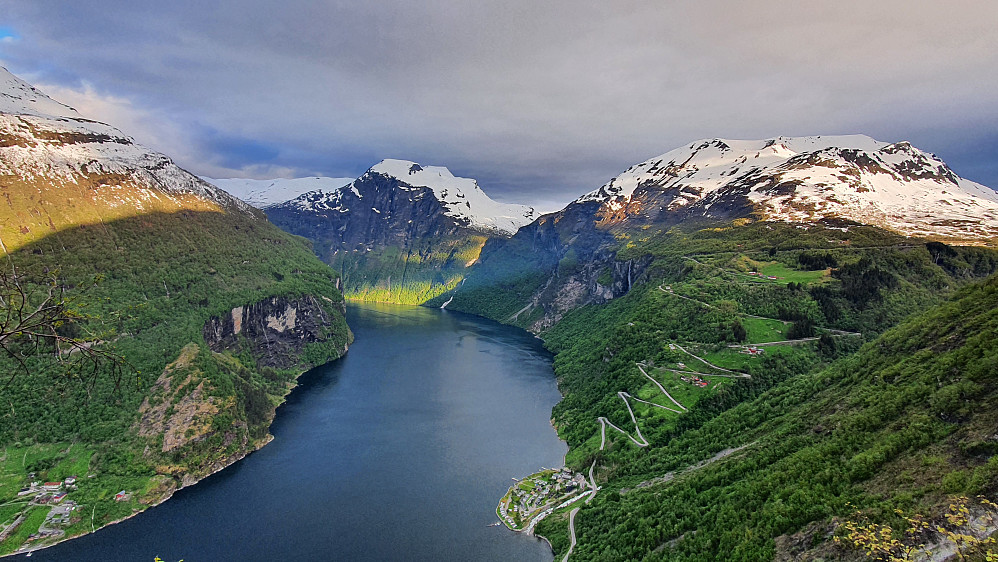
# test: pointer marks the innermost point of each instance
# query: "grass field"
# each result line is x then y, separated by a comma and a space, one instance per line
733, 359
786, 275
762, 331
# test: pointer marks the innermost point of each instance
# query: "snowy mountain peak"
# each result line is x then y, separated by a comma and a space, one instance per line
461, 198
855, 177
20, 98
437, 178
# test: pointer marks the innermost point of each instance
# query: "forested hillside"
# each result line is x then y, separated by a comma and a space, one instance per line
142, 290
741, 393
905, 424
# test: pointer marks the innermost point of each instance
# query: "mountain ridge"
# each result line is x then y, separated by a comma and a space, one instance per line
267, 193
803, 179
461, 198
401, 232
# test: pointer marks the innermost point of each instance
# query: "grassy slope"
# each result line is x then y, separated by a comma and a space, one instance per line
36, 208
162, 276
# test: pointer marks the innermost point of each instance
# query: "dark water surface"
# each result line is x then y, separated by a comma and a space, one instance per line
398, 451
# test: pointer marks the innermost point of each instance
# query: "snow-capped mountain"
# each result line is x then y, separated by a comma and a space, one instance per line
401, 231
895, 186
266, 193
66, 170
460, 199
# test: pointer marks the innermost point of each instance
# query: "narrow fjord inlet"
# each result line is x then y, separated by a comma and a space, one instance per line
399, 451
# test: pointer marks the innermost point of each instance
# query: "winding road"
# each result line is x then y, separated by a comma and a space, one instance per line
626, 397
711, 365
571, 532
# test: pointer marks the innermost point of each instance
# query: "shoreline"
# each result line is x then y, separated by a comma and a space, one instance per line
263, 442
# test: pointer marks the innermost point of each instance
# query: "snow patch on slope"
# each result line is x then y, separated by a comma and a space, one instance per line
20, 98
709, 163
45, 139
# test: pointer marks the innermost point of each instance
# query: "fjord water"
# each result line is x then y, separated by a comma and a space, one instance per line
399, 451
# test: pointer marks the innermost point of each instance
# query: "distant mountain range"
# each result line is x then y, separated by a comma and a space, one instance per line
266, 193
405, 229
790, 179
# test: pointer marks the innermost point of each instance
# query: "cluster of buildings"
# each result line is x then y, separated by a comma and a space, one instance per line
536, 491
48, 492
57, 518
753, 350
53, 494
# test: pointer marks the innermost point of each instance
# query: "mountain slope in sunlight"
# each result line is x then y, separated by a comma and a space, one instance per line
59, 170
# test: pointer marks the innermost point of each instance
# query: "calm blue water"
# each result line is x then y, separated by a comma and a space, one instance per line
399, 451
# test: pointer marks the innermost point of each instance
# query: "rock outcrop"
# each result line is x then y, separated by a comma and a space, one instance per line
179, 406
275, 331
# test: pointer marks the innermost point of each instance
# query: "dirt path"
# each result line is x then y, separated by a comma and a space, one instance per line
678, 372
781, 342
709, 364
636, 399
642, 443
708, 305
518, 313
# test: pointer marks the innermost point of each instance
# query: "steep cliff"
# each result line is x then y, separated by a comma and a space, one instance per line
276, 331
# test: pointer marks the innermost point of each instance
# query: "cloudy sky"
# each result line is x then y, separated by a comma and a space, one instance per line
540, 101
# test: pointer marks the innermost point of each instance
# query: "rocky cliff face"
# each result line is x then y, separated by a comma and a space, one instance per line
378, 212
275, 331
600, 279
557, 263
207, 409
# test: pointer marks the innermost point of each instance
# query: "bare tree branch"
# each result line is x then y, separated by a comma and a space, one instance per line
36, 318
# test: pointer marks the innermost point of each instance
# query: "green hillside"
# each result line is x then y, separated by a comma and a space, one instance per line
143, 289
906, 423
796, 406
412, 274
